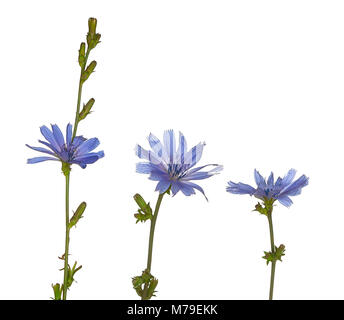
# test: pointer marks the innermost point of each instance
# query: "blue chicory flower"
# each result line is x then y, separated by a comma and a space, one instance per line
280, 190
77, 151
173, 167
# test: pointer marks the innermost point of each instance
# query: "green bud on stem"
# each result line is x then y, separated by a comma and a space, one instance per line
92, 26
71, 273
145, 211
90, 68
93, 38
77, 215
86, 109
57, 291
82, 54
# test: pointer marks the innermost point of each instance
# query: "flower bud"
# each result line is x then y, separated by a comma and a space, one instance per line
57, 291
140, 201
92, 37
86, 109
88, 71
82, 54
77, 215
92, 25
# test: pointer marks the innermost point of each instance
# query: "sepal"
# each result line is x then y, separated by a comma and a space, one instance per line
266, 208
66, 168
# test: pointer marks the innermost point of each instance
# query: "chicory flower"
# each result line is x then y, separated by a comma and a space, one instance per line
77, 151
280, 190
173, 167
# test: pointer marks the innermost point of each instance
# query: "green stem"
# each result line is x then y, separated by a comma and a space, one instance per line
273, 263
151, 239
76, 122
65, 275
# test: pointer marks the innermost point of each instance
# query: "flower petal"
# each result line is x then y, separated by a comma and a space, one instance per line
196, 186
170, 145
186, 189
49, 146
182, 149
147, 155
58, 136
260, 181
289, 177
294, 189
89, 157
48, 135
240, 188
285, 200
40, 159
271, 180
78, 140
194, 155
68, 134
39, 149
157, 147
87, 146
162, 186
211, 172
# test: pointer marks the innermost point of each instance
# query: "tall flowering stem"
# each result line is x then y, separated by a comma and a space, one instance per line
271, 256
66, 172
173, 168
150, 245
268, 191
72, 150
273, 263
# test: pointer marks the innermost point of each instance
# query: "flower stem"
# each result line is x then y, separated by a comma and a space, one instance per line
273, 263
65, 275
151, 239
76, 122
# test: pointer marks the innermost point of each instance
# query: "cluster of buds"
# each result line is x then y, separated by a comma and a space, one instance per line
145, 211
274, 256
145, 285
93, 38
58, 289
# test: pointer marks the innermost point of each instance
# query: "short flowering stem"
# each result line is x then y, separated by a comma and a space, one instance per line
65, 275
151, 239
273, 263
79, 94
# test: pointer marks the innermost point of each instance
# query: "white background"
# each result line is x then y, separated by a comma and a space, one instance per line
260, 81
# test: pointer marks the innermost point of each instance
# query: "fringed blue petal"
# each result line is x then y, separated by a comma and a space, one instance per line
40, 159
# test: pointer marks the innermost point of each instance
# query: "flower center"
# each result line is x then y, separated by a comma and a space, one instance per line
176, 170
